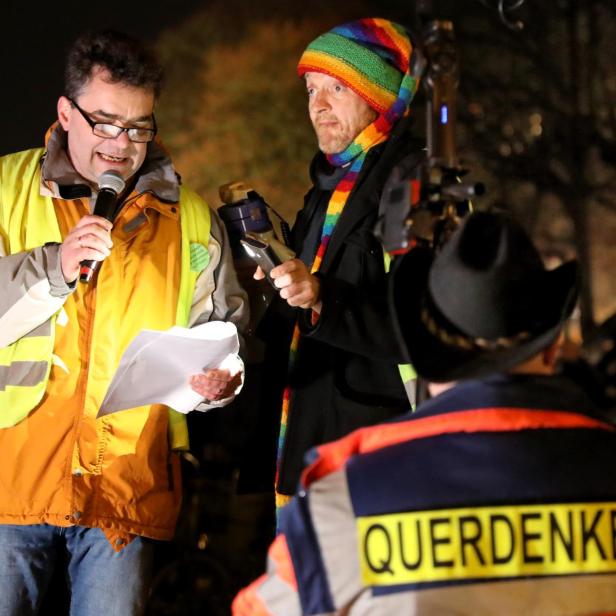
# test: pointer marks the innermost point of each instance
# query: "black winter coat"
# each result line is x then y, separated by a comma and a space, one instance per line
346, 374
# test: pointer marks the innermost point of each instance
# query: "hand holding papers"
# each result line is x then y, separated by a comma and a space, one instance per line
156, 366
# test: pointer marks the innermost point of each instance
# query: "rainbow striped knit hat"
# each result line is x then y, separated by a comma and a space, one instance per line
370, 56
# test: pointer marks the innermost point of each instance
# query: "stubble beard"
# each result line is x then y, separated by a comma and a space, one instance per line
332, 142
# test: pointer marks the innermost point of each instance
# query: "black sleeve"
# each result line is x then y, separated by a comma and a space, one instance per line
355, 319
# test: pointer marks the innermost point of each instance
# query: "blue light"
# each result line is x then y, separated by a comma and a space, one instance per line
444, 114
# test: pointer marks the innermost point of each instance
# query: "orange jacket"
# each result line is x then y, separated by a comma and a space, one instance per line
63, 466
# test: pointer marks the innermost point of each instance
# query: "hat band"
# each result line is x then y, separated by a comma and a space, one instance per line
469, 343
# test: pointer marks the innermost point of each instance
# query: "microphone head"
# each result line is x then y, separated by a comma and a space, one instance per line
111, 180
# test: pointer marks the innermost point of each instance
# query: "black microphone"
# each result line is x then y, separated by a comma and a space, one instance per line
110, 185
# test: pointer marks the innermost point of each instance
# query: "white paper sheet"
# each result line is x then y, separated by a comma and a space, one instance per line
156, 366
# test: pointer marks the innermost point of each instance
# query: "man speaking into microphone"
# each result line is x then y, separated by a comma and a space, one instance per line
103, 189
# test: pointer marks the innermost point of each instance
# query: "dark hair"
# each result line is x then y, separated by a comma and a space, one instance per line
126, 59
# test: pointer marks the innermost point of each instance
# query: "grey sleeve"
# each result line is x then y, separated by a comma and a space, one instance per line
218, 294
230, 299
33, 289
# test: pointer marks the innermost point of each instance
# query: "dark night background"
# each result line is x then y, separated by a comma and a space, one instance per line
33, 43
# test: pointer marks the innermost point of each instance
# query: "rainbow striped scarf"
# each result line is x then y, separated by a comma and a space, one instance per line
355, 156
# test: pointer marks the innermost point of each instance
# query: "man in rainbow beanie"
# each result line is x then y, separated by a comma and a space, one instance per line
333, 363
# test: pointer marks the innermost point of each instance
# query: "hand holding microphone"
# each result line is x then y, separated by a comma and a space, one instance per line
89, 242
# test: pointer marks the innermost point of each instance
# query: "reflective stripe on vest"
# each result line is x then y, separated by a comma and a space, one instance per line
23, 228
195, 224
28, 220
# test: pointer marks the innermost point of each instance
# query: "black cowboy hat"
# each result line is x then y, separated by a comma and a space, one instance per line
483, 304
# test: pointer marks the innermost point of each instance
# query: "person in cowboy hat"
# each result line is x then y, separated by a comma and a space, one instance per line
330, 321
495, 497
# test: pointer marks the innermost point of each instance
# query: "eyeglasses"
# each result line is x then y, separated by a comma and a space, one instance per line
111, 131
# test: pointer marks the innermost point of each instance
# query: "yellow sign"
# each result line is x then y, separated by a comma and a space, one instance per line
487, 542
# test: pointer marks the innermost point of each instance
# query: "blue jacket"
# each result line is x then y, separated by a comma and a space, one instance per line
496, 497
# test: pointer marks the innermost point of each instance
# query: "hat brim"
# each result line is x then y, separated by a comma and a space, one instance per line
439, 362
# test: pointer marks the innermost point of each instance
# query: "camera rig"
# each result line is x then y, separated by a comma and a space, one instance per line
423, 202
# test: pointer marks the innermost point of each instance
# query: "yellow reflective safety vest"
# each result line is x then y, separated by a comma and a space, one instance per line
407, 372
27, 221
